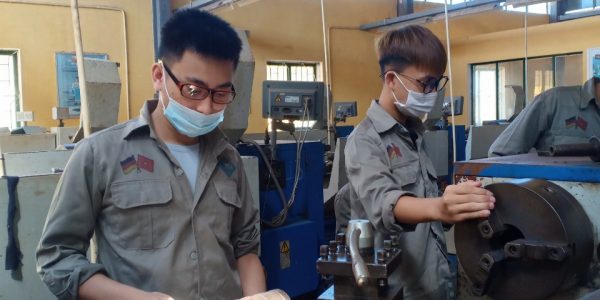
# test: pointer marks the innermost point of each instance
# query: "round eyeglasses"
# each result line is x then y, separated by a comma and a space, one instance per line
427, 86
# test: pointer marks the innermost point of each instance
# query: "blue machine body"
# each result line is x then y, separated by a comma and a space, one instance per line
575, 169
343, 131
289, 252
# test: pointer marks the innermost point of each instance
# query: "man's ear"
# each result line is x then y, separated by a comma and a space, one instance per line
388, 79
157, 76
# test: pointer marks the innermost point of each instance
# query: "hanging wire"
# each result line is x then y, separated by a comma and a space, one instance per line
451, 82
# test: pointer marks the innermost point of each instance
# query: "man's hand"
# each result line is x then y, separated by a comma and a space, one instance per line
101, 287
270, 295
158, 296
252, 276
466, 200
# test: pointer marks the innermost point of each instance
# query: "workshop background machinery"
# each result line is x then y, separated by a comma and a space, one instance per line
235, 121
542, 239
291, 186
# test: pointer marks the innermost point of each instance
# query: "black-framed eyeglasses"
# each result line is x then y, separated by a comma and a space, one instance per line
195, 92
429, 86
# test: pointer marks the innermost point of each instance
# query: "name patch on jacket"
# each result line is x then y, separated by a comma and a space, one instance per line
575, 122
141, 163
393, 151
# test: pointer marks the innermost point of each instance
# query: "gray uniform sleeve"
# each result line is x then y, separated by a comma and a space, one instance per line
523, 133
374, 185
61, 253
245, 236
342, 207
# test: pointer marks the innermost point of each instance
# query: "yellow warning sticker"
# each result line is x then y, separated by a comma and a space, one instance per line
285, 261
285, 247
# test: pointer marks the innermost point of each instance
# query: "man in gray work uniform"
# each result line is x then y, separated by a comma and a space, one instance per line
391, 178
562, 115
165, 193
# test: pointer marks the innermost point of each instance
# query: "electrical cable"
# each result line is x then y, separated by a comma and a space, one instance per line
272, 173
299, 146
450, 79
280, 218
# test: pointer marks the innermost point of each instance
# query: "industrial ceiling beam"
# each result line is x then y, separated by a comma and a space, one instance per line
209, 5
519, 3
430, 15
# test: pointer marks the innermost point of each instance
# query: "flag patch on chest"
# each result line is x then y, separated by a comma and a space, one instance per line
129, 164
393, 151
141, 163
145, 163
576, 122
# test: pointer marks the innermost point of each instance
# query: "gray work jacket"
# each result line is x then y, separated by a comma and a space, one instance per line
562, 115
153, 234
383, 164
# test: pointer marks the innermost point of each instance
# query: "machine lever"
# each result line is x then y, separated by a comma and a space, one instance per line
359, 268
591, 149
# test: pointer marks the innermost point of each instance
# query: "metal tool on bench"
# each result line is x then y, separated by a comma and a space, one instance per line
591, 149
359, 270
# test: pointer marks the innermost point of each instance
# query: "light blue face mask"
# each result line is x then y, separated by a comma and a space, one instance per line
188, 121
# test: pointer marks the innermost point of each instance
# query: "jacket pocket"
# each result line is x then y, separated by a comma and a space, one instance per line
406, 173
431, 187
437, 233
223, 208
140, 217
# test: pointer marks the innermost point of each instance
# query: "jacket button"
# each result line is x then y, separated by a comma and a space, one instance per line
178, 171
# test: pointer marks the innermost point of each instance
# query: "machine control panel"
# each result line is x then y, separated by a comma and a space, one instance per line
293, 100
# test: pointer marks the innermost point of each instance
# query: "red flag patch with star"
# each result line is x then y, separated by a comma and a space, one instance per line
145, 163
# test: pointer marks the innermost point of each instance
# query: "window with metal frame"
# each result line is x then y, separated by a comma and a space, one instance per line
580, 6
292, 71
500, 89
9, 88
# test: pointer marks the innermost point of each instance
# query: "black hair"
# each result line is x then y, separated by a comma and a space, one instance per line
200, 32
412, 45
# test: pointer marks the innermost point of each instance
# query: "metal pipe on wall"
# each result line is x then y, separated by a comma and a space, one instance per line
327, 78
84, 107
99, 7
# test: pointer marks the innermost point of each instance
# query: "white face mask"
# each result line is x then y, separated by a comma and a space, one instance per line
417, 104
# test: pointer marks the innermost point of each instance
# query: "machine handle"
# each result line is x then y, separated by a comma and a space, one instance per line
591, 149
359, 268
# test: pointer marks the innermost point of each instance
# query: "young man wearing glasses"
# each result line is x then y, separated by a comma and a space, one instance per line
392, 181
165, 193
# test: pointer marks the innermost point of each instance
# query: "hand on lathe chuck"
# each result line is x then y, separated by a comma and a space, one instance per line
466, 200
